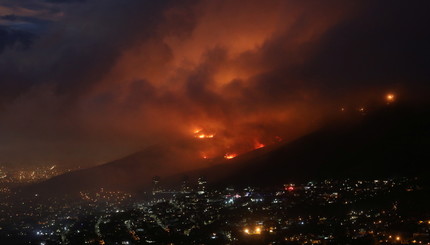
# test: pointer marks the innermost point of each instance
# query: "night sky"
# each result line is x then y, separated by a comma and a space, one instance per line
85, 82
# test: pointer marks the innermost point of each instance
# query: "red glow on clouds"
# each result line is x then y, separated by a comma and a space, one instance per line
205, 72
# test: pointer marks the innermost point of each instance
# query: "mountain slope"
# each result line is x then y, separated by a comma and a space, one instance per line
388, 142
131, 173
391, 141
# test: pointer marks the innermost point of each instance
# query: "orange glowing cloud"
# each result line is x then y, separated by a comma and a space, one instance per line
225, 69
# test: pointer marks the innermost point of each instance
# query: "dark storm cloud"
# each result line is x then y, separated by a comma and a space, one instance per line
12, 38
94, 51
386, 44
81, 47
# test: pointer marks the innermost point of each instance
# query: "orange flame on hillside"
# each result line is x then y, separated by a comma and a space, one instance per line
198, 133
204, 155
258, 145
205, 136
230, 155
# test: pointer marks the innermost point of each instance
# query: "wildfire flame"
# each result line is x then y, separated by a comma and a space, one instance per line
214, 149
205, 136
230, 155
198, 133
258, 145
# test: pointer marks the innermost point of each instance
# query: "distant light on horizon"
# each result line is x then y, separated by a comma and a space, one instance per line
390, 97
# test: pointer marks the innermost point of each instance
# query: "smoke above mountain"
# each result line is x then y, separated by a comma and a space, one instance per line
94, 80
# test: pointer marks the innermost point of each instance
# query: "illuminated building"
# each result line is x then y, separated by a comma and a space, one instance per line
156, 184
201, 185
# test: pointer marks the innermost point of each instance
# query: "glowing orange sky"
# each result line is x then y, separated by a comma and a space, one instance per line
105, 80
